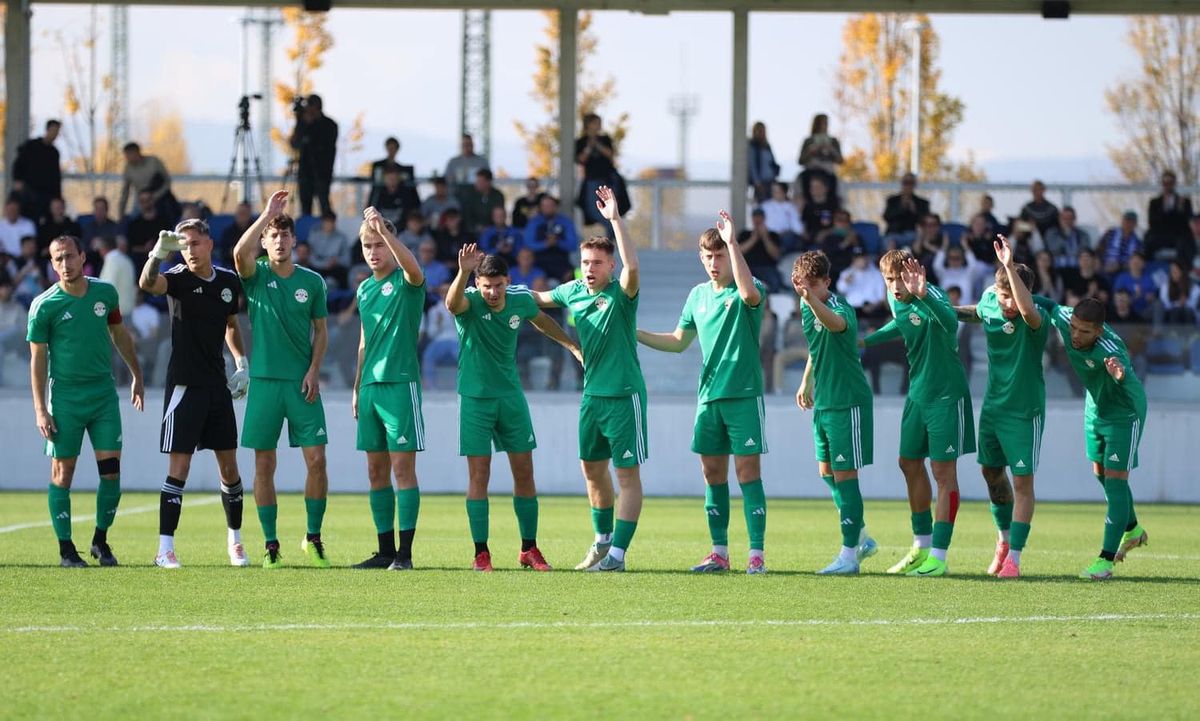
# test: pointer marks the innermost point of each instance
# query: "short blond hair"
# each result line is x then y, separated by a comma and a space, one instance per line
893, 260
366, 228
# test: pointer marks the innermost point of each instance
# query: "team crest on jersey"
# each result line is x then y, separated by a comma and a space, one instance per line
728, 303
301, 295
226, 295
1089, 363
99, 310
1009, 328
601, 303
387, 288
514, 321
914, 319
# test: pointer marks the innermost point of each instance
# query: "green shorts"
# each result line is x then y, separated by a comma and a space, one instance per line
94, 408
502, 422
1006, 440
939, 433
389, 418
1114, 444
271, 401
844, 437
614, 427
730, 425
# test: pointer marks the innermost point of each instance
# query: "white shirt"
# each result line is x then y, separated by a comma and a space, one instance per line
118, 270
145, 320
781, 217
860, 286
11, 234
964, 277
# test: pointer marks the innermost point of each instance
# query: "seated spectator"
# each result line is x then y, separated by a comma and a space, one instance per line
1179, 295
56, 223
552, 237
393, 199
1085, 280
820, 203
1065, 239
408, 177
1135, 281
500, 238
437, 275
526, 273
450, 237
13, 319
792, 352
13, 228
1047, 280
243, 218
414, 232
980, 238
30, 273
330, 250
438, 203
102, 226
527, 205
987, 206
863, 287
955, 265
820, 154
902, 213
142, 229
302, 256
1039, 211
116, 268
837, 239
476, 202
931, 237
1026, 241
1169, 216
782, 217
196, 210
1122, 310
1119, 243
441, 342
762, 251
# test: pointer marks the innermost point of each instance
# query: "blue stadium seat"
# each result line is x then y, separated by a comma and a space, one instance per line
954, 231
218, 224
869, 232
1165, 354
1194, 352
304, 224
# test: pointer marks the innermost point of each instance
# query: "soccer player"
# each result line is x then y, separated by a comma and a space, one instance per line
937, 421
198, 404
387, 387
612, 413
70, 327
725, 312
492, 407
836, 390
287, 321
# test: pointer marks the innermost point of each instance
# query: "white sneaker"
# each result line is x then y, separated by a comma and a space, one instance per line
166, 560
237, 555
594, 555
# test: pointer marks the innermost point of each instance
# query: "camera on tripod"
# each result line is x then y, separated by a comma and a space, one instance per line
244, 108
298, 104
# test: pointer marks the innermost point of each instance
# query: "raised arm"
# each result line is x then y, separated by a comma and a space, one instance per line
547, 327
606, 203
889, 332
469, 257
1029, 311
123, 342
413, 274
747, 290
246, 249
677, 341
826, 316
150, 280
967, 314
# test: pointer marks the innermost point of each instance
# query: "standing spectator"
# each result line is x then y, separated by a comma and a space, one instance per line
54, 224
14, 228
408, 176
147, 174
1135, 281
450, 237
479, 200
838, 240
500, 238
1085, 281
818, 203
29, 272
863, 286
329, 251
956, 266
102, 226
415, 233
36, 172
1169, 215
761, 248
1179, 295
1065, 239
594, 150
1122, 311
1042, 212
461, 169
243, 218
142, 229
820, 154
987, 206
552, 238
527, 205
315, 141
782, 217
1117, 244
526, 273
1046, 277
117, 269
394, 198
762, 166
438, 203
902, 213
437, 275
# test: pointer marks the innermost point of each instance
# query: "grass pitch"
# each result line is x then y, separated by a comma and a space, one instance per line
210, 641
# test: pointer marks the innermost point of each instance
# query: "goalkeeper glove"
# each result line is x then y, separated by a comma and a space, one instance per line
167, 244
239, 382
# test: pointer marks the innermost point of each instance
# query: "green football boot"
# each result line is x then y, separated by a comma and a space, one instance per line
916, 556
931, 567
1101, 569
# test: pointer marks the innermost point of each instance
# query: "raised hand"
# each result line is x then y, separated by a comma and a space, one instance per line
1115, 368
606, 203
469, 257
277, 203
374, 219
913, 277
1004, 251
725, 227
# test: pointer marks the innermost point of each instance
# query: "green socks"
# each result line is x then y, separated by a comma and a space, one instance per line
716, 509
833, 491
922, 523
526, 508
602, 520
408, 505
850, 511
314, 509
754, 506
267, 515
942, 531
1002, 515
1018, 535
383, 508
108, 496
1120, 504
623, 533
477, 518
60, 511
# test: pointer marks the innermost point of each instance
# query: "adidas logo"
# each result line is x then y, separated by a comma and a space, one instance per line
530, 438
272, 285
403, 439
950, 449
1020, 464
63, 515
198, 290
487, 316
840, 458
627, 454
760, 511
848, 522
1107, 521
176, 500
714, 512
67, 316
750, 443
1114, 457
321, 432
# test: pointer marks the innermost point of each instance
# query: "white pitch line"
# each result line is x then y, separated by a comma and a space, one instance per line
92, 517
568, 625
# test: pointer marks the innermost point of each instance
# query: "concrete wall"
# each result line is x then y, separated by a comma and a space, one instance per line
1166, 473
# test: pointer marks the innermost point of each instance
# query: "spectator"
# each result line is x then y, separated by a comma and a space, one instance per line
29, 272
1135, 281
526, 273
478, 201
1179, 295
437, 275
1122, 311
594, 150
902, 213
1046, 277
956, 297
461, 169
1040, 211
13, 320
863, 287
1026, 241
147, 174
394, 199
441, 347
818, 203
782, 217
450, 237
931, 238
762, 166
302, 256
54, 224
14, 228
408, 176
527, 205
500, 238
438, 203
315, 140
142, 229
980, 238
37, 173
116, 268
414, 232
761, 248
956, 266
552, 237
987, 206
1065, 239
330, 251
1085, 281
820, 154
837, 239
1169, 215
102, 226
243, 218
1119, 243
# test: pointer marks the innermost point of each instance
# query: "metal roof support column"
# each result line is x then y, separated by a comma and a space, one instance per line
17, 78
568, 24
739, 170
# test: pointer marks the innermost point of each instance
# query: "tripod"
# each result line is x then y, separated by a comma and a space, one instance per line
243, 151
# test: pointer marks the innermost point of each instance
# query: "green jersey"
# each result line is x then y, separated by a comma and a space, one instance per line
929, 327
391, 310
728, 331
487, 343
1107, 400
607, 325
837, 375
1015, 386
75, 331
281, 314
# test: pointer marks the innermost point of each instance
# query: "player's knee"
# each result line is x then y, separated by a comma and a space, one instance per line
108, 467
314, 458
1023, 485
264, 465
62, 471
911, 465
